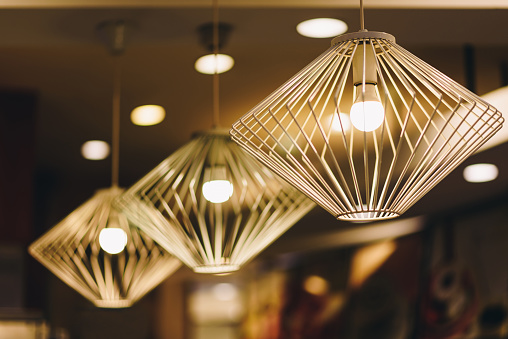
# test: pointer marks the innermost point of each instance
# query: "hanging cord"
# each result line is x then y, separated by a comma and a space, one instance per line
215, 88
118, 46
362, 18
115, 139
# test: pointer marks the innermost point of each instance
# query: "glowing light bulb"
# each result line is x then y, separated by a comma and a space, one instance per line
367, 112
217, 191
113, 240
214, 63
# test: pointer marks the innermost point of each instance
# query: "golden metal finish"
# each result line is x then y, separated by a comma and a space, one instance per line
72, 252
213, 237
430, 125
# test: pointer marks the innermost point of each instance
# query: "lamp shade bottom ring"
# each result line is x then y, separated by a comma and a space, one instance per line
214, 269
113, 303
367, 216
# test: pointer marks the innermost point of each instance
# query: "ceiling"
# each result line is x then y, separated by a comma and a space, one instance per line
53, 48
460, 4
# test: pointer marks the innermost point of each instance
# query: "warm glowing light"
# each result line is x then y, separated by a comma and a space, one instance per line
214, 63
217, 191
341, 122
367, 113
219, 304
480, 172
95, 150
225, 291
316, 285
113, 240
367, 260
321, 28
148, 115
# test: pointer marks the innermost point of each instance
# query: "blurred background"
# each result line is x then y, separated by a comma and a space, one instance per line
439, 271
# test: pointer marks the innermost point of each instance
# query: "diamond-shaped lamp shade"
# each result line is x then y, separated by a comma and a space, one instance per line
367, 128
212, 205
71, 250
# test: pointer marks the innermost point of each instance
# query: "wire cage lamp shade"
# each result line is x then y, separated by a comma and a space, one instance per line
212, 205
75, 250
367, 128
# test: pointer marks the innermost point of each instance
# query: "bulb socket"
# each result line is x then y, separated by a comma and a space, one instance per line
364, 65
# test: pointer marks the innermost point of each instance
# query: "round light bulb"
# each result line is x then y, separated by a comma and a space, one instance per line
217, 191
480, 173
95, 150
113, 240
321, 28
214, 63
148, 115
367, 113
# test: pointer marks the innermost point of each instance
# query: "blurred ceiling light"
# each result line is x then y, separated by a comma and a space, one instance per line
148, 115
368, 259
214, 63
316, 285
225, 291
321, 28
480, 173
205, 307
95, 150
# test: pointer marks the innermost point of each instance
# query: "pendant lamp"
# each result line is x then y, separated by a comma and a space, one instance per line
212, 205
367, 128
96, 250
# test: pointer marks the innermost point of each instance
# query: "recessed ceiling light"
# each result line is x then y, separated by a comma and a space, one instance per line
480, 172
212, 63
148, 115
95, 150
321, 28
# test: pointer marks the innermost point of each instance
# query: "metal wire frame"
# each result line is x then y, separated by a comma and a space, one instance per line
72, 252
431, 124
213, 237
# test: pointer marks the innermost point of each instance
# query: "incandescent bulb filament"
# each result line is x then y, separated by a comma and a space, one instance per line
367, 113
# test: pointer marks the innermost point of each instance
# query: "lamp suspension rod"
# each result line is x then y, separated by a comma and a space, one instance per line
215, 88
115, 142
117, 84
362, 17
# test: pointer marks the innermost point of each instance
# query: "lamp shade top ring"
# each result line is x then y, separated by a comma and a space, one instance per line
360, 35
